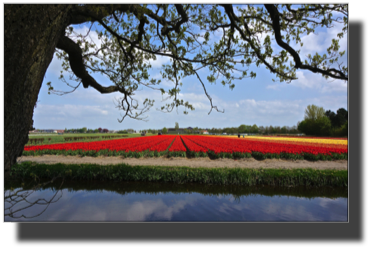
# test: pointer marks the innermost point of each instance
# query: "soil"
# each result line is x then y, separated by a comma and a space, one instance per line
190, 162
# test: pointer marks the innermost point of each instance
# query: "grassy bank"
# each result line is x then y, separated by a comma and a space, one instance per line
218, 176
156, 188
189, 154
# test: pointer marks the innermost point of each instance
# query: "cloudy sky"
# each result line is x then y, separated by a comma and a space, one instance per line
257, 101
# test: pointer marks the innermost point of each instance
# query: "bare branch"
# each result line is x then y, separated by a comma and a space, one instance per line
21, 197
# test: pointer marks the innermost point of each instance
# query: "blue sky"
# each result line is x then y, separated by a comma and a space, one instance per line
257, 101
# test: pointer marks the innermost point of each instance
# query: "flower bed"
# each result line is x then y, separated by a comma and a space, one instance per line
260, 149
194, 146
133, 147
177, 149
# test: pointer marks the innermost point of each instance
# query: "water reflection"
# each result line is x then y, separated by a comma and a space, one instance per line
17, 201
126, 201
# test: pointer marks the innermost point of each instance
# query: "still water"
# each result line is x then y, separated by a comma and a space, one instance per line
88, 201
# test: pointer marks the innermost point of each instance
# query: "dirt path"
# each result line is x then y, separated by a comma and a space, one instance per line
193, 162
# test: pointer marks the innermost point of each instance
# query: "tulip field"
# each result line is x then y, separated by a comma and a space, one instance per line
203, 146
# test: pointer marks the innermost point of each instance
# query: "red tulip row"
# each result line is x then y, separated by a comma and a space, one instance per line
163, 146
193, 146
219, 145
226, 145
130, 144
177, 145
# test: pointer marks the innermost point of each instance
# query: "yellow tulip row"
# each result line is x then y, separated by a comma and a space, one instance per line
308, 140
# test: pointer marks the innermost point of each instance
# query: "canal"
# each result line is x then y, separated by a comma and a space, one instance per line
108, 201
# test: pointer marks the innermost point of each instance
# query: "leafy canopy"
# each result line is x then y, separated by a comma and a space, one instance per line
314, 112
224, 39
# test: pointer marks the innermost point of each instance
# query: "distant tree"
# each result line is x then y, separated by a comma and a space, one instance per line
337, 119
314, 112
293, 130
331, 115
176, 126
342, 116
164, 130
323, 126
100, 130
344, 130
122, 131
316, 122
254, 129
242, 128
303, 127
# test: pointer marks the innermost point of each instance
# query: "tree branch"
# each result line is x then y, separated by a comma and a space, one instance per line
234, 19
274, 14
79, 69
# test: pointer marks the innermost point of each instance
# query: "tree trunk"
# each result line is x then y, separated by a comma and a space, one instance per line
31, 34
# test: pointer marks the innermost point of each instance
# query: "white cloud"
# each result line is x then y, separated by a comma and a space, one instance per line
160, 60
308, 82
313, 81
251, 102
273, 87
71, 111
140, 211
319, 42
87, 107
92, 35
165, 83
194, 87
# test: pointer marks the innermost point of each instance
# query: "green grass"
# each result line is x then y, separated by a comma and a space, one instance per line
166, 153
218, 176
156, 188
60, 138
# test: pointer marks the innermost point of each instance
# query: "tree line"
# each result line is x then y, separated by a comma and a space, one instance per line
319, 122
86, 130
248, 129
